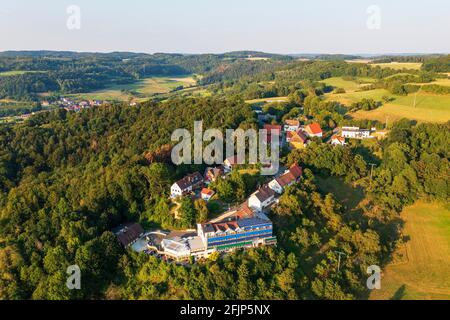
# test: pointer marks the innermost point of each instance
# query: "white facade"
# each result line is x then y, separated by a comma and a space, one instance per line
176, 191
338, 142
312, 135
256, 204
176, 249
275, 186
355, 133
206, 196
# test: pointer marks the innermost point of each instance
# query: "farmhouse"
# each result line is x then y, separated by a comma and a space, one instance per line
186, 185
261, 199
290, 177
291, 125
206, 194
355, 133
314, 130
296, 139
338, 141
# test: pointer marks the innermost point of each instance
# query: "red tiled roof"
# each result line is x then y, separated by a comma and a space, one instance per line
190, 180
286, 179
314, 128
224, 226
294, 173
341, 139
244, 212
296, 170
208, 192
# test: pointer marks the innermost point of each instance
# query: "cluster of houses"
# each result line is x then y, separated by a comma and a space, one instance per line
71, 105
298, 136
246, 226
194, 182
267, 195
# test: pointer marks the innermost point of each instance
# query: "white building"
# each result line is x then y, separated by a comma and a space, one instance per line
207, 194
186, 185
338, 141
290, 177
355, 133
176, 248
291, 125
261, 199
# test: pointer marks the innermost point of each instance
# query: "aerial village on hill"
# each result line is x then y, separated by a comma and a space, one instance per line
245, 226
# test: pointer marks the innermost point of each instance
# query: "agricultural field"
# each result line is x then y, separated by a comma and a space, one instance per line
420, 268
268, 100
364, 61
429, 107
439, 82
16, 73
399, 65
257, 59
348, 85
140, 90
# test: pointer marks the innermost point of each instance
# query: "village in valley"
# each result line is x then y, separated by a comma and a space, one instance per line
246, 225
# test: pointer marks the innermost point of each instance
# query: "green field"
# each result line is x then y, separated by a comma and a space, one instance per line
348, 85
429, 107
16, 73
439, 82
268, 100
399, 65
140, 90
421, 267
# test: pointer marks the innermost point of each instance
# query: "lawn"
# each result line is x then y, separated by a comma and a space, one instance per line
350, 97
399, 65
429, 107
421, 269
348, 85
140, 90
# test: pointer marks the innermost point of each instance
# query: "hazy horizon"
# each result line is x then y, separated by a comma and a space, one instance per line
201, 26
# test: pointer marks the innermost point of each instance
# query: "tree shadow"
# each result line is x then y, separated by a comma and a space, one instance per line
400, 293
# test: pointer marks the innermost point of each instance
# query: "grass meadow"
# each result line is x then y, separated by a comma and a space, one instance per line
420, 269
428, 107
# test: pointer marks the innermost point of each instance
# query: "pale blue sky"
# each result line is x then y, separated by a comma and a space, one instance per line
199, 26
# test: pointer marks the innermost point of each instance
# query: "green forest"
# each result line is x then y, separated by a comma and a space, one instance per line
67, 179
